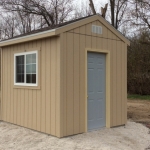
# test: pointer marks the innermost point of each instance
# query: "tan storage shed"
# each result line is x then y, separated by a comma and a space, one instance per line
65, 80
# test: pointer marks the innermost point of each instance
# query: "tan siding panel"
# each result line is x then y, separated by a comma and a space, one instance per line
82, 30
26, 108
105, 44
34, 111
114, 83
48, 85
64, 84
61, 85
123, 83
5, 87
110, 48
99, 43
8, 84
57, 87
76, 84
119, 112
69, 83
76, 30
43, 83
18, 106
82, 83
71, 31
94, 42
109, 34
88, 28
88, 42
53, 87
30, 115
11, 84
15, 106
22, 107
38, 119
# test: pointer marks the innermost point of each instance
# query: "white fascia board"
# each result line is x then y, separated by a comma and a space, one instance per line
40, 34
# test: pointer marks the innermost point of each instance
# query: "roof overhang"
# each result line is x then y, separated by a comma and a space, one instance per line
27, 38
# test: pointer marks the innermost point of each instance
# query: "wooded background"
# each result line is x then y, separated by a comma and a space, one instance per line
130, 17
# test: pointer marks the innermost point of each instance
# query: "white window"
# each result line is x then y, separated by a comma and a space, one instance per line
26, 68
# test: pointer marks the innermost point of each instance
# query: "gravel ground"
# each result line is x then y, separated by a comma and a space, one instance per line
134, 136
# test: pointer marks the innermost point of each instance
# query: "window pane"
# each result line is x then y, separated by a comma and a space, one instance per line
33, 68
20, 78
20, 59
29, 68
20, 69
31, 78
28, 58
34, 58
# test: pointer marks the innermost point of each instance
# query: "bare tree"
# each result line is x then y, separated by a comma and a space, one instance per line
118, 9
52, 11
141, 14
7, 26
139, 64
104, 10
92, 7
14, 23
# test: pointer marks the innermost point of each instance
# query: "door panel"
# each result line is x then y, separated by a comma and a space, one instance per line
96, 90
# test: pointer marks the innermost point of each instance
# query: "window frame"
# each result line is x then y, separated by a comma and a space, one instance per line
26, 84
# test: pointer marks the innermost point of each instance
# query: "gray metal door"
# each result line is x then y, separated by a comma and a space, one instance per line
96, 90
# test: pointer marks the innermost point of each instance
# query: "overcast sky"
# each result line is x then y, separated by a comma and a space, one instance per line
96, 2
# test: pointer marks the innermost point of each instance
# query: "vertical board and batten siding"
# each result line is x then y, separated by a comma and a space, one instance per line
73, 76
35, 108
57, 106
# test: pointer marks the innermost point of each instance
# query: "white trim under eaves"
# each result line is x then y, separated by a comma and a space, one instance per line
27, 36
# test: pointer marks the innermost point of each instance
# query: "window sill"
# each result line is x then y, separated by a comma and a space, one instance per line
27, 87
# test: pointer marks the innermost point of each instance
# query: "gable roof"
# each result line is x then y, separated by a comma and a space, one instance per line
60, 28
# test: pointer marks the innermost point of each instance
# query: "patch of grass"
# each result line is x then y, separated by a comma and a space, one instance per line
136, 96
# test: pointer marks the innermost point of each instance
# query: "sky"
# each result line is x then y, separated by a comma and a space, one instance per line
96, 2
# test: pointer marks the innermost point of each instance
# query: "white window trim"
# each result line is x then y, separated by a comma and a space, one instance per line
26, 84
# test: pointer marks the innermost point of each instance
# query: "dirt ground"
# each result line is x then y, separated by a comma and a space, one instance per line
139, 111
